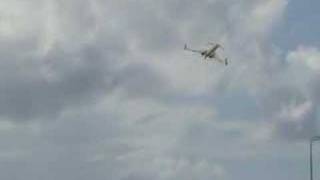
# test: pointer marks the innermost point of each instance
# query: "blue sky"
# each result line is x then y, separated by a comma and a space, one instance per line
102, 89
300, 25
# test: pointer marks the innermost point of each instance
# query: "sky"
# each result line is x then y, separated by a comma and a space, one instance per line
102, 89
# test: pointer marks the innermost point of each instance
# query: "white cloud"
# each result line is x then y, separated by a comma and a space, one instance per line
266, 14
296, 112
308, 56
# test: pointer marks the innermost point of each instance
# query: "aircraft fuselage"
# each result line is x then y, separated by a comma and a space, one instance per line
211, 52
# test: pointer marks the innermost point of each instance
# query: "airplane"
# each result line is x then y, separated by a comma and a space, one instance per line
209, 53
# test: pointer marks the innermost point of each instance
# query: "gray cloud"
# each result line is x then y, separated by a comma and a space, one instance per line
27, 92
119, 100
140, 80
73, 72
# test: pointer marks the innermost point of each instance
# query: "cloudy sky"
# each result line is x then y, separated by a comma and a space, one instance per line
102, 89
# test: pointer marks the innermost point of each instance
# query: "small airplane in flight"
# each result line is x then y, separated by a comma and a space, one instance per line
209, 53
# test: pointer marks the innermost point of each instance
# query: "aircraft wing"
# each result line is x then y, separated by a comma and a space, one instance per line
225, 61
192, 50
219, 60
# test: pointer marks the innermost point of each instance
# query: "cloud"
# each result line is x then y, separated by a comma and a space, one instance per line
103, 89
34, 86
290, 104
309, 56
67, 62
298, 122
